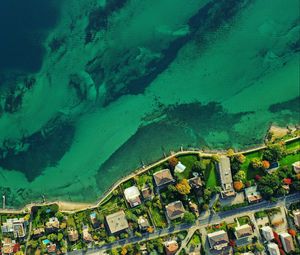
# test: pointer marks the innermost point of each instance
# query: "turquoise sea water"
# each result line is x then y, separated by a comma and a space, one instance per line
90, 89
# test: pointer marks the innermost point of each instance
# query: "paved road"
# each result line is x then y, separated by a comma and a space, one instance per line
204, 220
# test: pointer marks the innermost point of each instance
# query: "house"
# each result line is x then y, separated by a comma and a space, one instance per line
51, 248
267, 233
52, 225
194, 208
95, 222
179, 168
273, 249
273, 167
297, 218
225, 176
175, 210
195, 182
8, 246
147, 193
276, 219
218, 241
86, 234
132, 195
287, 242
143, 223
116, 222
163, 177
252, 195
15, 226
296, 167
73, 235
38, 232
171, 247
243, 231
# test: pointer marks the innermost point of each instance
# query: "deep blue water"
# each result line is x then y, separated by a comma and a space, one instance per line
23, 27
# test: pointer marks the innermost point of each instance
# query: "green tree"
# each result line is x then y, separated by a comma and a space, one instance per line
256, 163
274, 152
240, 176
183, 187
189, 217
199, 166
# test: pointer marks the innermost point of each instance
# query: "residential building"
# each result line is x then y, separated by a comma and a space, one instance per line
175, 210
195, 182
143, 223
147, 193
163, 177
252, 195
51, 248
116, 222
73, 235
296, 167
94, 220
297, 218
179, 168
287, 242
194, 208
218, 240
8, 246
38, 232
15, 226
273, 167
132, 195
52, 225
86, 236
171, 247
276, 219
225, 177
243, 231
273, 249
267, 233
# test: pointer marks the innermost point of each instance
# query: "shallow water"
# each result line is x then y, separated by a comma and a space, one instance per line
117, 84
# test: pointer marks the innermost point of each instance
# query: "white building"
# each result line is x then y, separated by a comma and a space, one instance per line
132, 195
297, 218
267, 233
296, 167
15, 226
287, 242
273, 249
179, 168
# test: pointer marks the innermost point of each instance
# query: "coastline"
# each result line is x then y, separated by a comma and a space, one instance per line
72, 207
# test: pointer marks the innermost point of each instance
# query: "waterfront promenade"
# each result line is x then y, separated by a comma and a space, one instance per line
72, 207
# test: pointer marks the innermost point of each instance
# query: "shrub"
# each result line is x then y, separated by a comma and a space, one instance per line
265, 164
238, 185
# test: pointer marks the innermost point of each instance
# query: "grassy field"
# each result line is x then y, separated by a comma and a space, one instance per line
210, 174
292, 146
289, 159
195, 240
244, 220
158, 217
188, 161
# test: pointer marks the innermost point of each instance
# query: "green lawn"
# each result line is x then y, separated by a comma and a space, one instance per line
158, 217
250, 173
113, 204
210, 174
188, 161
195, 240
244, 220
292, 146
249, 157
289, 159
